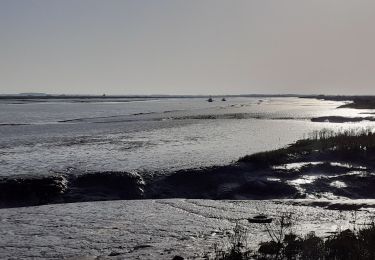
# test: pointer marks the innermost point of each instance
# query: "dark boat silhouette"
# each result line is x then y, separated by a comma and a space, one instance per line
223, 99
261, 219
210, 99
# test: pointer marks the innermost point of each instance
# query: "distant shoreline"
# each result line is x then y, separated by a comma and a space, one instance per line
356, 101
47, 96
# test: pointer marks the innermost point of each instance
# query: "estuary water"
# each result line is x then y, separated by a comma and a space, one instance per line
152, 136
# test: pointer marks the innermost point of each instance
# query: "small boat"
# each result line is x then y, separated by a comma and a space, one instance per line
223, 99
261, 219
210, 100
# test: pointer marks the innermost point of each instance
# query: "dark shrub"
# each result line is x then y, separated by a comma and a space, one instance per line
268, 249
312, 247
343, 246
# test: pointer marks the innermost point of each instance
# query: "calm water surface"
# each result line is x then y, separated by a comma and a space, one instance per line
152, 136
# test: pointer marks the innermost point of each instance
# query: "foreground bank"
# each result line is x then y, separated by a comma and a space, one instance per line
152, 229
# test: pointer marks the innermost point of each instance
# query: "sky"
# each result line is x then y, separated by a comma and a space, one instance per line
187, 46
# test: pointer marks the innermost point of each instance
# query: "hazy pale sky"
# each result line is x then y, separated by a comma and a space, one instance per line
187, 47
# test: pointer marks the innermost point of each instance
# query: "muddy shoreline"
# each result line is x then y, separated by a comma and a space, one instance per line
327, 166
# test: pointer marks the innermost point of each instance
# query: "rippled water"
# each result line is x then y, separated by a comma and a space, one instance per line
152, 136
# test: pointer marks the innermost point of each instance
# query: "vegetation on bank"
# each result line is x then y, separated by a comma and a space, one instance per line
350, 244
349, 145
361, 103
342, 119
357, 102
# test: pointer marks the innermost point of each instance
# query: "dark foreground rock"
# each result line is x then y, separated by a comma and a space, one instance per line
106, 186
228, 182
36, 190
31, 190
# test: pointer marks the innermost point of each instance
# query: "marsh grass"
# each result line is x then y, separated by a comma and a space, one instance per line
350, 139
235, 246
351, 244
349, 145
